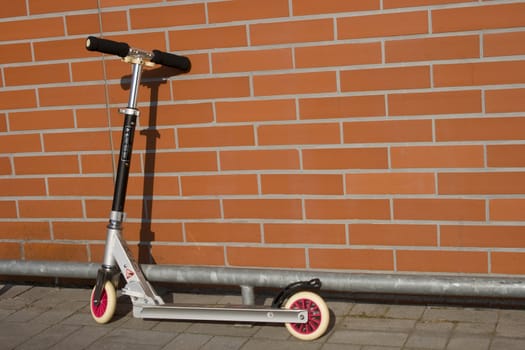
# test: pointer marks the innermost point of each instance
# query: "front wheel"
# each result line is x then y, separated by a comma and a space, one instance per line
318, 315
103, 312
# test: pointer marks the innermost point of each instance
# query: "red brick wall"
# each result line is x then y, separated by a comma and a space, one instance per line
383, 135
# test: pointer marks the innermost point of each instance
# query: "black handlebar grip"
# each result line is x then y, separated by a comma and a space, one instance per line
171, 60
107, 46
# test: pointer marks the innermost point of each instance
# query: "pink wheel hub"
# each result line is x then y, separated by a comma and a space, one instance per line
314, 316
99, 310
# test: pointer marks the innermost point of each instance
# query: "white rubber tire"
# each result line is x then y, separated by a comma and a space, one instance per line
318, 310
106, 310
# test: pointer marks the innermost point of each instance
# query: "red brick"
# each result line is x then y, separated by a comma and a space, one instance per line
216, 136
437, 157
393, 234
385, 78
208, 38
153, 185
503, 44
5, 166
242, 10
77, 141
487, 73
185, 162
383, 25
186, 209
390, 183
249, 61
8, 210
177, 114
46, 165
337, 55
292, 32
31, 28
222, 232
313, 7
87, 71
24, 230
50, 208
72, 95
39, 120
352, 259
188, 255
442, 261
262, 208
20, 143
484, 17
18, 99
3, 123
388, 131
37, 74
424, 103
439, 209
266, 257
211, 88
167, 16
412, 3
429, 49
259, 160
22, 187
217, 185
100, 208
10, 250
507, 209
89, 23
311, 184
505, 156
15, 53
476, 129
36, 6
294, 83
507, 262
298, 134
342, 107
349, 158
481, 183
114, 3
61, 49
14, 9
97, 118
507, 100
258, 110
482, 236
75, 230
347, 209
304, 233
80, 186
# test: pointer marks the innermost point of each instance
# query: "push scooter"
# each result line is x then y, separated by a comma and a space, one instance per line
298, 306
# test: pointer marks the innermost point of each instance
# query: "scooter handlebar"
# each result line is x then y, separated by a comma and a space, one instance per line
107, 46
122, 49
171, 60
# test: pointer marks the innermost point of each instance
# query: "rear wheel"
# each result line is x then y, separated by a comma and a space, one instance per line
104, 311
318, 315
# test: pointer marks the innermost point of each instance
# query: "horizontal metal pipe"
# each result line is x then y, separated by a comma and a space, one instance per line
426, 285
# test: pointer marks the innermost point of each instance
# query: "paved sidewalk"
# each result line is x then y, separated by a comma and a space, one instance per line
35, 317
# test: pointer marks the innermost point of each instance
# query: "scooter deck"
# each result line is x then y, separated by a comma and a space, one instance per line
233, 313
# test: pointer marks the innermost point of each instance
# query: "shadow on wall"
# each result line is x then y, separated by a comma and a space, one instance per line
152, 79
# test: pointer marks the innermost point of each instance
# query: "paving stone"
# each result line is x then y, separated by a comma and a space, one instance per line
188, 342
509, 329
140, 337
427, 340
369, 310
224, 343
48, 338
408, 312
222, 329
277, 332
460, 315
500, 343
436, 326
13, 334
260, 344
468, 341
475, 328
341, 347
368, 338
382, 324
82, 338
